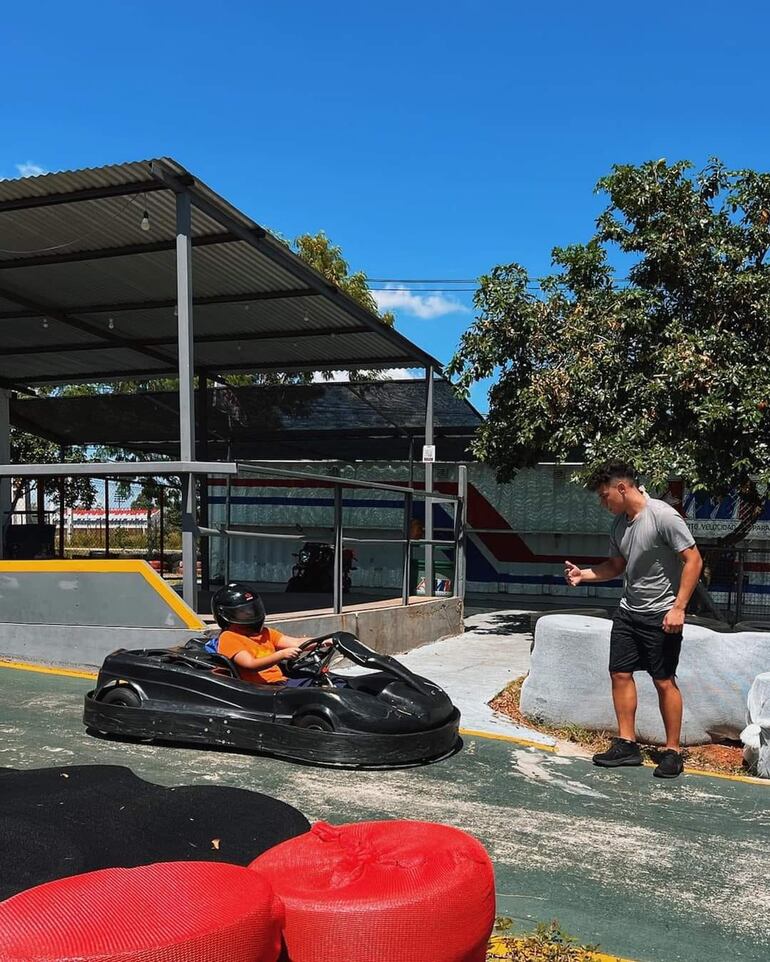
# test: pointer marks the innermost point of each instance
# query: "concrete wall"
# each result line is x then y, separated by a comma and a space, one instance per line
390, 630
82, 646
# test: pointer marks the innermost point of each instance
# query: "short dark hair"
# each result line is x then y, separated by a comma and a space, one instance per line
611, 471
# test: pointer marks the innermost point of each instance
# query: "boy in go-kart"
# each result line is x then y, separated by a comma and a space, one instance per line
258, 651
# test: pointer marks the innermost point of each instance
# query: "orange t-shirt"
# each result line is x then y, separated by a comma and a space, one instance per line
263, 643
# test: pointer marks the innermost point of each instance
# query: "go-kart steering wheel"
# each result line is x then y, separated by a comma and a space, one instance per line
316, 653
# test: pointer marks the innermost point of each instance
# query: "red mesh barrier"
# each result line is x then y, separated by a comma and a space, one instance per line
167, 912
397, 891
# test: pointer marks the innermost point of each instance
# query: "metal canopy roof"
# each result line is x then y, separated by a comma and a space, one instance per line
87, 295
335, 420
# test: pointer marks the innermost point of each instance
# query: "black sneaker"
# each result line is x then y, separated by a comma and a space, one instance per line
620, 752
670, 764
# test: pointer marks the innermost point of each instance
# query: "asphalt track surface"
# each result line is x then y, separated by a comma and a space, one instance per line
653, 871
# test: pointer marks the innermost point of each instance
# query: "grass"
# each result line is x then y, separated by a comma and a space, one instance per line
548, 943
719, 758
508, 701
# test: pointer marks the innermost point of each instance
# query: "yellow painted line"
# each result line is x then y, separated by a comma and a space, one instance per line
728, 776
45, 669
172, 599
500, 946
749, 779
117, 566
507, 738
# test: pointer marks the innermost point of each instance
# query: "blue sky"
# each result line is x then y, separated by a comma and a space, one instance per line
428, 140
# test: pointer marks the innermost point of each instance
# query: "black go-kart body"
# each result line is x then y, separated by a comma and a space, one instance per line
387, 717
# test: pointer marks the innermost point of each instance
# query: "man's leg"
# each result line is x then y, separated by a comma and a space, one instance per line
670, 701
624, 700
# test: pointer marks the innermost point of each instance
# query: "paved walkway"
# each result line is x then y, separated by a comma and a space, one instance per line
475, 666
656, 872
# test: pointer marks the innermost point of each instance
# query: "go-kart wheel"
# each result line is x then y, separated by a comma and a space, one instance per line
121, 695
316, 723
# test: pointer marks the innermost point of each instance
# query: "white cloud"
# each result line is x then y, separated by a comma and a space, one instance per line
421, 305
29, 169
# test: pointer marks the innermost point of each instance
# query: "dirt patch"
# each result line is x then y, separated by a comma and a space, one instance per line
724, 759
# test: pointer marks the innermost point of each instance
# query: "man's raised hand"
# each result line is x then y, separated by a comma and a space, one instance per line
572, 574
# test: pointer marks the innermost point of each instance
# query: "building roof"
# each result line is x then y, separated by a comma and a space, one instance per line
87, 295
373, 420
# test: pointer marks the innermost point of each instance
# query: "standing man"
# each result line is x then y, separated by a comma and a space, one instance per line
647, 541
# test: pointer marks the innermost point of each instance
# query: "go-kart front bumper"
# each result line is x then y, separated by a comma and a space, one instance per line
241, 730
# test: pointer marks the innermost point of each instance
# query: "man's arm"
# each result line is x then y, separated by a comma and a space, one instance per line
605, 571
693, 565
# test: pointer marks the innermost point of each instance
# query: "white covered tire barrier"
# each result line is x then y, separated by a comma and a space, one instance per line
569, 682
756, 735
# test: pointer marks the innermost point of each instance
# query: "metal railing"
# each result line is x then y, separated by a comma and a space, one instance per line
457, 542
738, 581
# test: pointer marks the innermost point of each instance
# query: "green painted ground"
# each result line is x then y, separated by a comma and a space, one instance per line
653, 871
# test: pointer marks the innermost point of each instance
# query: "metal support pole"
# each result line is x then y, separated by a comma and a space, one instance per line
337, 549
203, 455
462, 528
228, 525
161, 530
429, 580
62, 456
5, 458
106, 517
739, 584
40, 504
184, 292
189, 561
61, 517
405, 583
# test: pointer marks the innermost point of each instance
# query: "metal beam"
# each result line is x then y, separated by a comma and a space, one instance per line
276, 335
259, 239
251, 467
85, 193
186, 371
99, 469
338, 548
127, 250
202, 443
462, 531
5, 455
429, 583
168, 303
13, 386
114, 340
284, 366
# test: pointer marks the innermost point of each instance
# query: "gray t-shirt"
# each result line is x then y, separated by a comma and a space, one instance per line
650, 543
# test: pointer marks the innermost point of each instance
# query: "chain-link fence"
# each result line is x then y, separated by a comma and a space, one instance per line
117, 527
738, 581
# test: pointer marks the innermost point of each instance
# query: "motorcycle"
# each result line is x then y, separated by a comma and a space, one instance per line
314, 570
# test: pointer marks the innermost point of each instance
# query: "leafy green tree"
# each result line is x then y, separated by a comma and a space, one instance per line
30, 449
318, 251
665, 367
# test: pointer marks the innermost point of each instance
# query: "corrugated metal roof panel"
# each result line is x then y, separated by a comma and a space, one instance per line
69, 180
77, 364
60, 259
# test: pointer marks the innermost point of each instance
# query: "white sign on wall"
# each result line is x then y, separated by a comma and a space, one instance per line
428, 452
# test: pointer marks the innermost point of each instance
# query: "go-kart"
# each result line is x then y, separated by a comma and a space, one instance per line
387, 717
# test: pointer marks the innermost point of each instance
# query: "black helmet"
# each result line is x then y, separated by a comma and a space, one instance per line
238, 605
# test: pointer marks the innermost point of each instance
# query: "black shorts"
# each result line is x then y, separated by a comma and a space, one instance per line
639, 643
